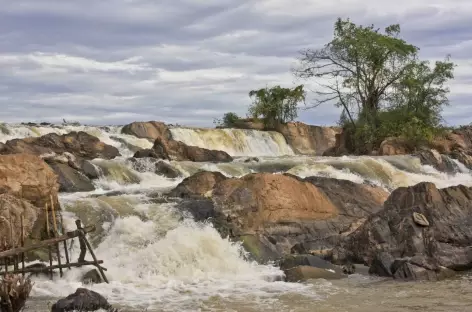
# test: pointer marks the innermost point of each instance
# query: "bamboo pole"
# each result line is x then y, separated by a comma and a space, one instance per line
58, 252
48, 236
22, 242
84, 239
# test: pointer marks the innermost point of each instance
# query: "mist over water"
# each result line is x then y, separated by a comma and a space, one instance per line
159, 259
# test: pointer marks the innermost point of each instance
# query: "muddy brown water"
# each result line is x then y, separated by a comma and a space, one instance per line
354, 294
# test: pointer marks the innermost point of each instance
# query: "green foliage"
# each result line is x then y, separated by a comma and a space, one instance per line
228, 120
276, 105
380, 83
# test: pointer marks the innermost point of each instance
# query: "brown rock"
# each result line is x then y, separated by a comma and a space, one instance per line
151, 130
395, 146
28, 177
179, 151
80, 144
11, 210
198, 185
307, 139
256, 200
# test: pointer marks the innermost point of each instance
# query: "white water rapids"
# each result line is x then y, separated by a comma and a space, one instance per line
161, 260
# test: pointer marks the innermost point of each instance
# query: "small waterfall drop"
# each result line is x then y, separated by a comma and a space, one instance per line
236, 142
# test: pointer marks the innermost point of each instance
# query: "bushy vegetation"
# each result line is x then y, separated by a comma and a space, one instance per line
276, 105
378, 80
228, 121
380, 83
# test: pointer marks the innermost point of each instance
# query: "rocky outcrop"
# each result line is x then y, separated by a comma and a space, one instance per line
30, 180
151, 130
249, 124
421, 233
82, 300
179, 151
438, 161
304, 267
80, 144
307, 139
272, 213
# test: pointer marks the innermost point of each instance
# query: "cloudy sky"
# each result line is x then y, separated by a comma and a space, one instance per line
189, 61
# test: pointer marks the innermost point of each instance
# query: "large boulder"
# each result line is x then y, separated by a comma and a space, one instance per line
422, 231
198, 185
82, 300
272, 213
179, 151
151, 130
29, 178
307, 139
80, 144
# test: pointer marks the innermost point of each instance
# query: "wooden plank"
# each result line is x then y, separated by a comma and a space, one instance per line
57, 266
45, 243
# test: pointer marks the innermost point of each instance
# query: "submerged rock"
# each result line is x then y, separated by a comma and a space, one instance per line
304, 272
92, 277
167, 170
82, 300
395, 243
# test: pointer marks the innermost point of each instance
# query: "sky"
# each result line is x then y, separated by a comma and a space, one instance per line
189, 61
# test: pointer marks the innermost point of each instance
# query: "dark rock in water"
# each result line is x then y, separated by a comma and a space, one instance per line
71, 180
82, 300
92, 277
167, 170
432, 158
80, 144
197, 185
382, 264
143, 153
349, 268
179, 151
251, 159
90, 170
292, 261
304, 272
393, 239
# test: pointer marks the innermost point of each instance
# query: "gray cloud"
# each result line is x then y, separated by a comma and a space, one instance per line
189, 61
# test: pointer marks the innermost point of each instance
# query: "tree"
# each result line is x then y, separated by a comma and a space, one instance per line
369, 73
276, 105
228, 120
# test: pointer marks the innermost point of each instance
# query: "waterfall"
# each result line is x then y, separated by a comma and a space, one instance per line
236, 142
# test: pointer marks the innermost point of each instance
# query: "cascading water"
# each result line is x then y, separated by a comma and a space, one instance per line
236, 142
160, 259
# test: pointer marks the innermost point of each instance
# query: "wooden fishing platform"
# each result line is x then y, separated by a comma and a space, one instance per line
15, 256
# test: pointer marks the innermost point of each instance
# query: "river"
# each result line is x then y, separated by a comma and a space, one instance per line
159, 259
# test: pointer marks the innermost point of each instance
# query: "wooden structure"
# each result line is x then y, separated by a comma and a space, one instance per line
10, 259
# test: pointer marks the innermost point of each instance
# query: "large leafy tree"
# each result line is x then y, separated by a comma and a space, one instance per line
367, 72
276, 105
